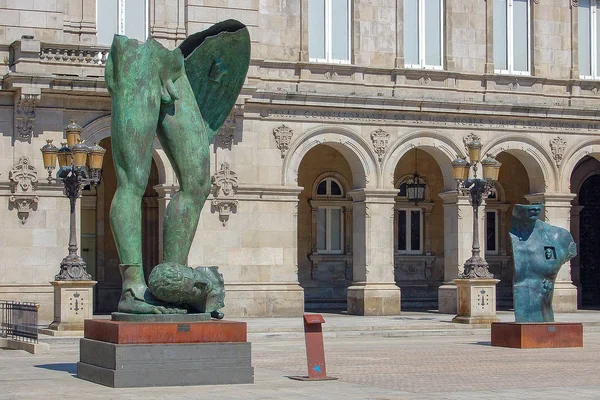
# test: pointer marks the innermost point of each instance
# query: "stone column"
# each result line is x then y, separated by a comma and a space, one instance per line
557, 212
165, 194
373, 290
458, 239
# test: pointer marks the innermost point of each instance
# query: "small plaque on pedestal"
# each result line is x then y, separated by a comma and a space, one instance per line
540, 335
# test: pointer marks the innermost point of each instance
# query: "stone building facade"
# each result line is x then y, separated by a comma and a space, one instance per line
344, 101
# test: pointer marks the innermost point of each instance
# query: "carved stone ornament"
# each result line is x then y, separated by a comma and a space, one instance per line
380, 140
331, 75
25, 117
23, 176
225, 136
227, 131
283, 137
574, 3
24, 205
425, 80
469, 138
558, 145
225, 184
23, 180
225, 207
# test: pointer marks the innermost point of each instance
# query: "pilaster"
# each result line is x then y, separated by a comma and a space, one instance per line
458, 236
373, 291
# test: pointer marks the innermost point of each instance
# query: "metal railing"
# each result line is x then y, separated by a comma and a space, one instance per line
19, 321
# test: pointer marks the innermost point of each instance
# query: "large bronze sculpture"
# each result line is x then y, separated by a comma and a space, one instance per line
182, 96
539, 250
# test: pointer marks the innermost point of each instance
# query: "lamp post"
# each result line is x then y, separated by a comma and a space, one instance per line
79, 166
476, 266
476, 286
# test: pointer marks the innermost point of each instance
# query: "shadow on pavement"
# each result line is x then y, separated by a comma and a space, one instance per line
71, 368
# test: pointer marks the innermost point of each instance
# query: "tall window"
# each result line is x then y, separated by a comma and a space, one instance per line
329, 219
124, 17
588, 34
423, 44
410, 231
329, 31
511, 37
491, 232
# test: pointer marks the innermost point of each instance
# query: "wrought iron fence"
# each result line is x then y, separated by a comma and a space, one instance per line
19, 320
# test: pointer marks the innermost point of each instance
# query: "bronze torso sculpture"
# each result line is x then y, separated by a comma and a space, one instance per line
182, 96
539, 250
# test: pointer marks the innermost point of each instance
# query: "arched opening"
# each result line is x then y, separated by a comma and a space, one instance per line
97, 243
512, 187
325, 228
587, 263
419, 232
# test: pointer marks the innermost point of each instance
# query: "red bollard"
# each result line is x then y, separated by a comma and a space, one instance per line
315, 352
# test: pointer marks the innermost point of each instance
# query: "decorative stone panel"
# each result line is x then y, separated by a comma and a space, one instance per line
25, 116
408, 267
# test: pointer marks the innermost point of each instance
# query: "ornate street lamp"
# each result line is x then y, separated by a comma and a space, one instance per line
475, 267
76, 170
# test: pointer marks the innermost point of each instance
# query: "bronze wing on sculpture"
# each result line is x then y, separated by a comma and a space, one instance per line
216, 63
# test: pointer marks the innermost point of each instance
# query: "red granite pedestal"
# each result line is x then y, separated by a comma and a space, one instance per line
141, 354
529, 335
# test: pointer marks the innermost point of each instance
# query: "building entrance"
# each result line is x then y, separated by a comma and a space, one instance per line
589, 232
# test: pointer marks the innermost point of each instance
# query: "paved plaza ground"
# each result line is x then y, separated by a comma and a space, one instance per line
413, 356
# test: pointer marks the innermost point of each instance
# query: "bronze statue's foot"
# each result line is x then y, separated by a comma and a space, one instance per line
217, 314
134, 305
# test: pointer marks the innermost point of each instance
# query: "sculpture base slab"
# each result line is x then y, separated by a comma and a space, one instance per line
141, 354
172, 364
119, 316
530, 335
120, 332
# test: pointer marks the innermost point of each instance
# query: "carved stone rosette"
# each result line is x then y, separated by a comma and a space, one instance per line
283, 137
24, 119
558, 145
380, 140
23, 181
225, 184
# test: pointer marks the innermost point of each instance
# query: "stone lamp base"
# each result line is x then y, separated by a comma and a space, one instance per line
73, 302
476, 301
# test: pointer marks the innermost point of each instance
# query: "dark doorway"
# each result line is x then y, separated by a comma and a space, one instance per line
98, 245
589, 232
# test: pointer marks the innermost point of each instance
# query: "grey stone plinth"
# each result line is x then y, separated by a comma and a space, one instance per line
118, 316
143, 365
